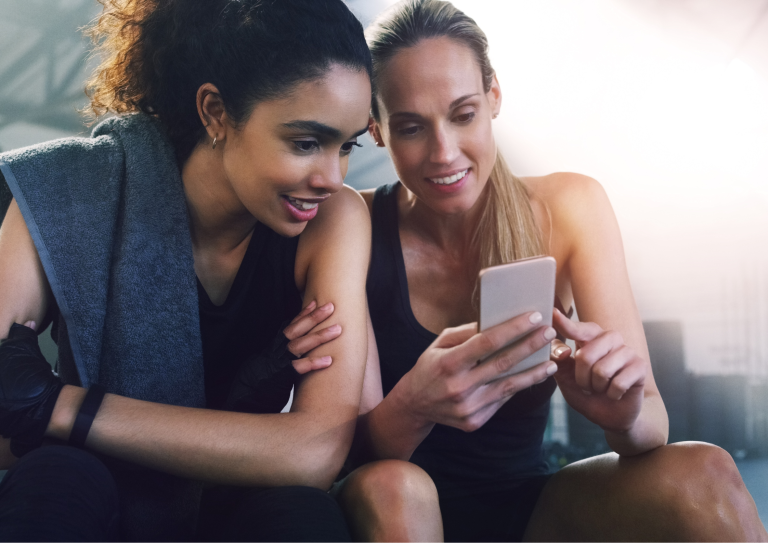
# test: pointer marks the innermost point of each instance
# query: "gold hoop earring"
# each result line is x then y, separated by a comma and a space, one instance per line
214, 142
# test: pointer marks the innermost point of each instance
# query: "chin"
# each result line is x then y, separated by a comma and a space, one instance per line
289, 230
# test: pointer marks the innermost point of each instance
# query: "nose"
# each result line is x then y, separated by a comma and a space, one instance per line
329, 177
444, 149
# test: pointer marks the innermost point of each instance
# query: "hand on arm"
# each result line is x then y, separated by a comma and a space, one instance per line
304, 447
303, 338
450, 385
264, 380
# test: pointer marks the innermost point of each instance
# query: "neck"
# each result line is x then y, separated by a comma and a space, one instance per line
217, 217
453, 234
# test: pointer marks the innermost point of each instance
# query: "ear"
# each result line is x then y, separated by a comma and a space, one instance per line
494, 97
375, 132
213, 115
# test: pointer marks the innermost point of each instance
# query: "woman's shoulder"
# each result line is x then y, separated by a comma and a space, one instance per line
342, 210
567, 197
565, 189
573, 211
341, 220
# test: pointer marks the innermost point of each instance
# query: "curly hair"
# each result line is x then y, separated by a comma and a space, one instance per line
157, 53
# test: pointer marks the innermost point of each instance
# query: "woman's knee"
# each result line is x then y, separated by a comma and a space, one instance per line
701, 487
690, 471
391, 500
388, 483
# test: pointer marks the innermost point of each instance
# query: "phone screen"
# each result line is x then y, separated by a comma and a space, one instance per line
510, 290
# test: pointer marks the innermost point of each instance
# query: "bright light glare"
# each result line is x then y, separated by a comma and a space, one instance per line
675, 129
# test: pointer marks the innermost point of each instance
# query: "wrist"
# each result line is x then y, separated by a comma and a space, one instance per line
403, 402
65, 411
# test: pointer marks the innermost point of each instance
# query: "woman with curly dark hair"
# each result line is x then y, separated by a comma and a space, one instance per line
169, 250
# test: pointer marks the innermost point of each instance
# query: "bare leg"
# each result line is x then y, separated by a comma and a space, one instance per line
391, 500
681, 492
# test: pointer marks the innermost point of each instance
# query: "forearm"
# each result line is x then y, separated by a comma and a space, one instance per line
217, 446
391, 430
650, 430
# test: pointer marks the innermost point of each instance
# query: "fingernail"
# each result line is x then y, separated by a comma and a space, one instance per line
587, 392
326, 360
535, 318
552, 369
550, 333
329, 305
560, 350
335, 328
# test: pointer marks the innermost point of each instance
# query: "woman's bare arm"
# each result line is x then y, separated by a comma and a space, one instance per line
24, 290
586, 241
304, 447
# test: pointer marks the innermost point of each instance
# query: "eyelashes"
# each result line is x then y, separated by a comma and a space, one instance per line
309, 146
409, 131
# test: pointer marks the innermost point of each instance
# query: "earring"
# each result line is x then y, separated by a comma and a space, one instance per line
214, 142
495, 115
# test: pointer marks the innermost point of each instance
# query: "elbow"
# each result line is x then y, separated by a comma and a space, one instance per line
327, 462
321, 462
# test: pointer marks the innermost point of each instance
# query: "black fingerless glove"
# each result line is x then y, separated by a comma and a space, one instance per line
28, 390
263, 383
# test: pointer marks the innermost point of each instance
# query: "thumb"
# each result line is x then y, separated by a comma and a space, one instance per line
559, 351
451, 337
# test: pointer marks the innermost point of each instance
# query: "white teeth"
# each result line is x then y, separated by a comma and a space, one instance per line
449, 180
300, 204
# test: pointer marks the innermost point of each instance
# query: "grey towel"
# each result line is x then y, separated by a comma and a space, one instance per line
109, 220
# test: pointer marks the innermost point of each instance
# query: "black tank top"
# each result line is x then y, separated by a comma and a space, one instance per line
508, 447
262, 299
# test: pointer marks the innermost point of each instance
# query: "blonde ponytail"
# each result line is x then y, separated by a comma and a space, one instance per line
507, 230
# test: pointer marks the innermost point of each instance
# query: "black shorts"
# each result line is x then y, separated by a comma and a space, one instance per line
497, 514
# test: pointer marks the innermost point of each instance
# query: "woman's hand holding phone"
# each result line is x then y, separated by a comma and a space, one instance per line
604, 379
454, 384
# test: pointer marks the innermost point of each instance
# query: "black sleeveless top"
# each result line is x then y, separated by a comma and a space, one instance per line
262, 300
508, 447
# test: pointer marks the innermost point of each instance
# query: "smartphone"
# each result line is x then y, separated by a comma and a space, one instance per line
509, 290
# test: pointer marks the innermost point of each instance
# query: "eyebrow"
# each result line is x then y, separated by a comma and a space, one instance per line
320, 129
455, 103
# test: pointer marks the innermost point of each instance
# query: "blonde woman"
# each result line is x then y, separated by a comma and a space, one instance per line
476, 430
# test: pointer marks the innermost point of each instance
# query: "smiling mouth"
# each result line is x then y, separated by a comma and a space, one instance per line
302, 205
449, 180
